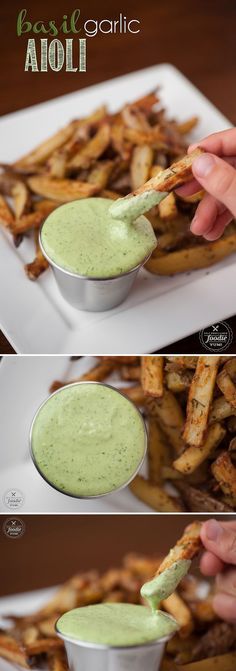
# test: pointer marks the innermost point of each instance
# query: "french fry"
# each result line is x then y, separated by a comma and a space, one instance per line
225, 473
132, 373
193, 456
46, 148
141, 162
200, 501
178, 382
167, 180
187, 547
168, 208
187, 126
199, 399
6, 214
21, 199
96, 374
221, 409
192, 258
43, 645
157, 451
152, 375
46, 206
12, 650
135, 394
175, 606
169, 413
154, 496
62, 190
92, 150
100, 174
219, 663
227, 386
58, 661
38, 265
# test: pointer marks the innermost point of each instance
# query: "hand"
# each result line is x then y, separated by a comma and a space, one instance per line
215, 172
219, 560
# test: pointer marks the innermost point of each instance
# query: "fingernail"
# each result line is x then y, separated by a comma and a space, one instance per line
203, 165
213, 530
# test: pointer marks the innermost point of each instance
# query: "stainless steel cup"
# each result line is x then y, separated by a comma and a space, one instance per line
94, 294
87, 656
97, 496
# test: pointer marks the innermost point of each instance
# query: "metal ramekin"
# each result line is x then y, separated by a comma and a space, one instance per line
94, 294
88, 656
96, 496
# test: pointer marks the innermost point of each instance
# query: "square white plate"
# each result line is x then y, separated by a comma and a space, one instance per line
24, 385
159, 310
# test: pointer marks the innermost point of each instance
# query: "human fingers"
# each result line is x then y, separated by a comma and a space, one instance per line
210, 565
208, 213
219, 540
218, 178
225, 606
221, 143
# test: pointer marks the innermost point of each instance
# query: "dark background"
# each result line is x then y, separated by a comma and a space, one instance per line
54, 547
198, 37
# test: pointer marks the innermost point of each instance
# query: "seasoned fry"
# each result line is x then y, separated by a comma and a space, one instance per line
96, 374
44, 150
219, 663
152, 375
62, 190
225, 473
187, 547
192, 258
176, 607
154, 496
200, 501
227, 386
134, 393
157, 452
21, 199
187, 126
193, 456
168, 208
141, 162
169, 413
58, 661
221, 409
6, 215
92, 150
167, 180
132, 373
199, 399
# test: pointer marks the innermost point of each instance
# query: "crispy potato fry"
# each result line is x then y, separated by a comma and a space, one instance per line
178, 381
221, 409
38, 265
169, 413
21, 199
132, 373
62, 190
227, 386
44, 150
199, 399
12, 650
176, 607
6, 214
187, 126
100, 173
200, 501
193, 456
158, 452
92, 150
154, 496
96, 374
135, 394
168, 208
225, 473
141, 162
192, 258
219, 663
152, 375
187, 547
58, 661
167, 180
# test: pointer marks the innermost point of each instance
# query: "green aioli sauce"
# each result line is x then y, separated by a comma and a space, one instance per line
88, 439
116, 624
82, 237
120, 624
163, 585
131, 207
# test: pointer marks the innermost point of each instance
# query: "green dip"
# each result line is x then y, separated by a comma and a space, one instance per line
116, 624
121, 624
87, 439
131, 207
83, 238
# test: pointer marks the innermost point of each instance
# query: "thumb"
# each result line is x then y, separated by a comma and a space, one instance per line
218, 178
220, 541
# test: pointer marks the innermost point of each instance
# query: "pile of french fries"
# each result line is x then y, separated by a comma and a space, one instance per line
203, 643
109, 155
189, 403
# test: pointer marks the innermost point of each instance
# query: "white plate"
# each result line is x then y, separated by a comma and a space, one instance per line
160, 310
24, 384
